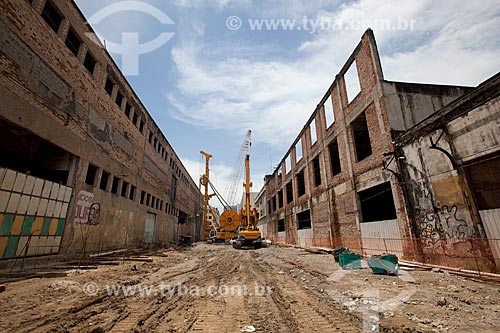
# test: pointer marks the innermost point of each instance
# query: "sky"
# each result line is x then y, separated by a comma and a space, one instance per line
209, 70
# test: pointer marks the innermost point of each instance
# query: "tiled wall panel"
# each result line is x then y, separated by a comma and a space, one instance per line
32, 214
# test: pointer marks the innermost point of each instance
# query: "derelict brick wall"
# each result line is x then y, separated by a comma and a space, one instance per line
49, 92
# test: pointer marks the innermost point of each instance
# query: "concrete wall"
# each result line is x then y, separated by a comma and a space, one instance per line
441, 195
49, 93
410, 103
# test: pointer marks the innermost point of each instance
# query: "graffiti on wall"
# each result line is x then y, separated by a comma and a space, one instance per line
86, 210
442, 226
94, 213
442, 223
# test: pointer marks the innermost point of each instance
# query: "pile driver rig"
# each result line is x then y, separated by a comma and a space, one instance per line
238, 228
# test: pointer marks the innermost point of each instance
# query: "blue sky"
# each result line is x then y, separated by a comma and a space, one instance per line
215, 78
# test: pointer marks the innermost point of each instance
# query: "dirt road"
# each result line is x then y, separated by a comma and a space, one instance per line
209, 288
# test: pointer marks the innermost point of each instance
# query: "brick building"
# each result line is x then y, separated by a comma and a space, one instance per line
83, 164
337, 183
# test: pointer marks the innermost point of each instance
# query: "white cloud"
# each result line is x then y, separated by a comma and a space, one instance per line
237, 94
453, 42
219, 4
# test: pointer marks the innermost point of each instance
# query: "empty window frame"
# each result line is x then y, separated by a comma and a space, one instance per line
312, 130
281, 225
143, 197
91, 175
329, 115
316, 171
141, 126
73, 42
124, 189
273, 204
288, 164
119, 99
89, 63
103, 185
280, 199
269, 206
351, 80
134, 119
304, 220
127, 110
109, 86
289, 192
485, 181
131, 194
333, 149
173, 189
298, 151
279, 174
377, 203
51, 15
361, 136
114, 185
301, 185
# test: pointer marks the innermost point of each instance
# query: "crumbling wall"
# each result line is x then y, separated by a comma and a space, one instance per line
441, 213
445, 211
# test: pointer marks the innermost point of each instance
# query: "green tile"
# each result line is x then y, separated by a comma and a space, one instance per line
60, 227
8, 220
27, 224
10, 251
45, 226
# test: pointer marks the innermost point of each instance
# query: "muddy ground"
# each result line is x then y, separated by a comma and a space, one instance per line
215, 288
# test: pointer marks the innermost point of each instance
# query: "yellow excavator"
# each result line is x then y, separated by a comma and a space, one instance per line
248, 233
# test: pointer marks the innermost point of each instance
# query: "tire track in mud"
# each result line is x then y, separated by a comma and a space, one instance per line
288, 307
104, 312
308, 311
203, 312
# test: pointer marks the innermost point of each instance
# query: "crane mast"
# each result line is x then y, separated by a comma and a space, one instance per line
204, 181
238, 166
248, 233
248, 185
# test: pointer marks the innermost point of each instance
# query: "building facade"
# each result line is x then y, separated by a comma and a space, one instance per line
84, 165
338, 183
449, 170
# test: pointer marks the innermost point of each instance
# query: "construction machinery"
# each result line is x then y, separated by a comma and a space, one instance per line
230, 192
238, 228
204, 180
225, 228
248, 233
